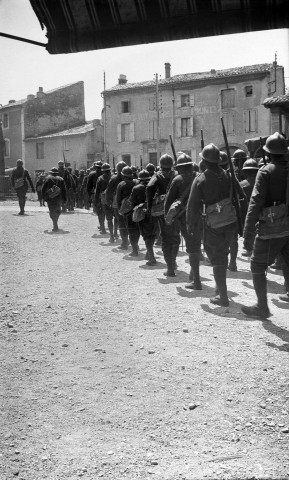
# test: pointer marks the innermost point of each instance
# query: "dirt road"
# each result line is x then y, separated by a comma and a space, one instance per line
110, 370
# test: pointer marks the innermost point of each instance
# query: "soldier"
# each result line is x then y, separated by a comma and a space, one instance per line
111, 194
269, 201
63, 173
179, 190
38, 187
249, 171
80, 189
238, 159
71, 191
127, 227
134, 171
213, 188
54, 203
150, 168
156, 191
100, 201
19, 180
147, 226
86, 198
91, 183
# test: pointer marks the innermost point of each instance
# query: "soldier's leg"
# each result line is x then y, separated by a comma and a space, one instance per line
264, 253
233, 254
123, 232
148, 232
115, 222
170, 245
285, 267
21, 199
101, 217
193, 246
109, 219
134, 234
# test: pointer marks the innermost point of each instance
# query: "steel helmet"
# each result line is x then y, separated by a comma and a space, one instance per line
250, 164
98, 164
127, 172
105, 167
184, 159
81, 172
60, 163
120, 165
239, 155
150, 168
166, 161
224, 158
276, 144
210, 153
144, 175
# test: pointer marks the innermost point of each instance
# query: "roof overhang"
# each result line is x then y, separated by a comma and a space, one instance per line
81, 25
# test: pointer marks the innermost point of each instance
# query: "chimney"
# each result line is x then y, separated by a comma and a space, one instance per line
40, 92
213, 71
122, 79
30, 97
168, 70
11, 101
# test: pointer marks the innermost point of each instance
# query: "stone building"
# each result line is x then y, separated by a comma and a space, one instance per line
78, 146
138, 118
43, 128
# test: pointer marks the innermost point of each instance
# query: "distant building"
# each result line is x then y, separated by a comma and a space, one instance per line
279, 108
40, 128
79, 146
138, 118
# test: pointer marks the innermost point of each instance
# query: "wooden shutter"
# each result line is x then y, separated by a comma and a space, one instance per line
192, 126
247, 120
231, 123
179, 127
178, 102
192, 100
118, 129
131, 132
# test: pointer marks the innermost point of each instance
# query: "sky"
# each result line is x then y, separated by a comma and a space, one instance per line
27, 67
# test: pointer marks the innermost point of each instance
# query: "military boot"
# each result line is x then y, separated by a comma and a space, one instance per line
134, 252
175, 251
260, 309
221, 299
233, 257
169, 261
150, 252
195, 272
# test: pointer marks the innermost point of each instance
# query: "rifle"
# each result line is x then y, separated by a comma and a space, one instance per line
173, 149
234, 183
113, 163
64, 160
202, 140
262, 151
141, 162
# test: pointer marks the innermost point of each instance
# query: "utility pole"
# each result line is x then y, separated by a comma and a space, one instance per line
158, 117
104, 119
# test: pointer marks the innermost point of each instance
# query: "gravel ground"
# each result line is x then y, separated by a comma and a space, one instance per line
110, 370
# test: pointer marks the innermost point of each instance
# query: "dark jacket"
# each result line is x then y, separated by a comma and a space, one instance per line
112, 186
270, 186
18, 172
138, 194
91, 181
124, 189
49, 182
179, 189
248, 185
158, 184
101, 186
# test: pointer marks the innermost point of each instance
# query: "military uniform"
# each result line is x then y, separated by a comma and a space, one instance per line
54, 204
180, 190
250, 170
209, 188
64, 173
158, 185
38, 187
147, 226
100, 201
271, 188
127, 228
111, 194
20, 173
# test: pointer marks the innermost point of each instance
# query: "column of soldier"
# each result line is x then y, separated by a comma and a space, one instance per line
195, 203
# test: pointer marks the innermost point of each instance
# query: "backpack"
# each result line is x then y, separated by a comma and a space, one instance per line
53, 191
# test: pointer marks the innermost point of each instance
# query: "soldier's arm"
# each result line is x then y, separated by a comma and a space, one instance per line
172, 194
63, 190
89, 184
110, 191
118, 195
194, 206
97, 190
151, 190
257, 202
26, 173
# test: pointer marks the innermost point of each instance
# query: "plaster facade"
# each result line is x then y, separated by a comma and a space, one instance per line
188, 104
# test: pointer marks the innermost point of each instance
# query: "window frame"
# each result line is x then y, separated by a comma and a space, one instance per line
186, 121
7, 148
5, 116
247, 95
223, 102
122, 104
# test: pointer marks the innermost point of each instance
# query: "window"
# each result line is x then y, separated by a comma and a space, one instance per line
125, 132
185, 100
126, 158
125, 107
249, 91
229, 122
250, 120
7, 148
40, 150
5, 120
153, 158
185, 127
228, 98
152, 129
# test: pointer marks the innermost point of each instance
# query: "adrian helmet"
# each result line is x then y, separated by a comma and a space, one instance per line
276, 144
166, 161
150, 168
127, 172
250, 164
184, 159
210, 153
239, 154
223, 158
144, 175
105, 167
